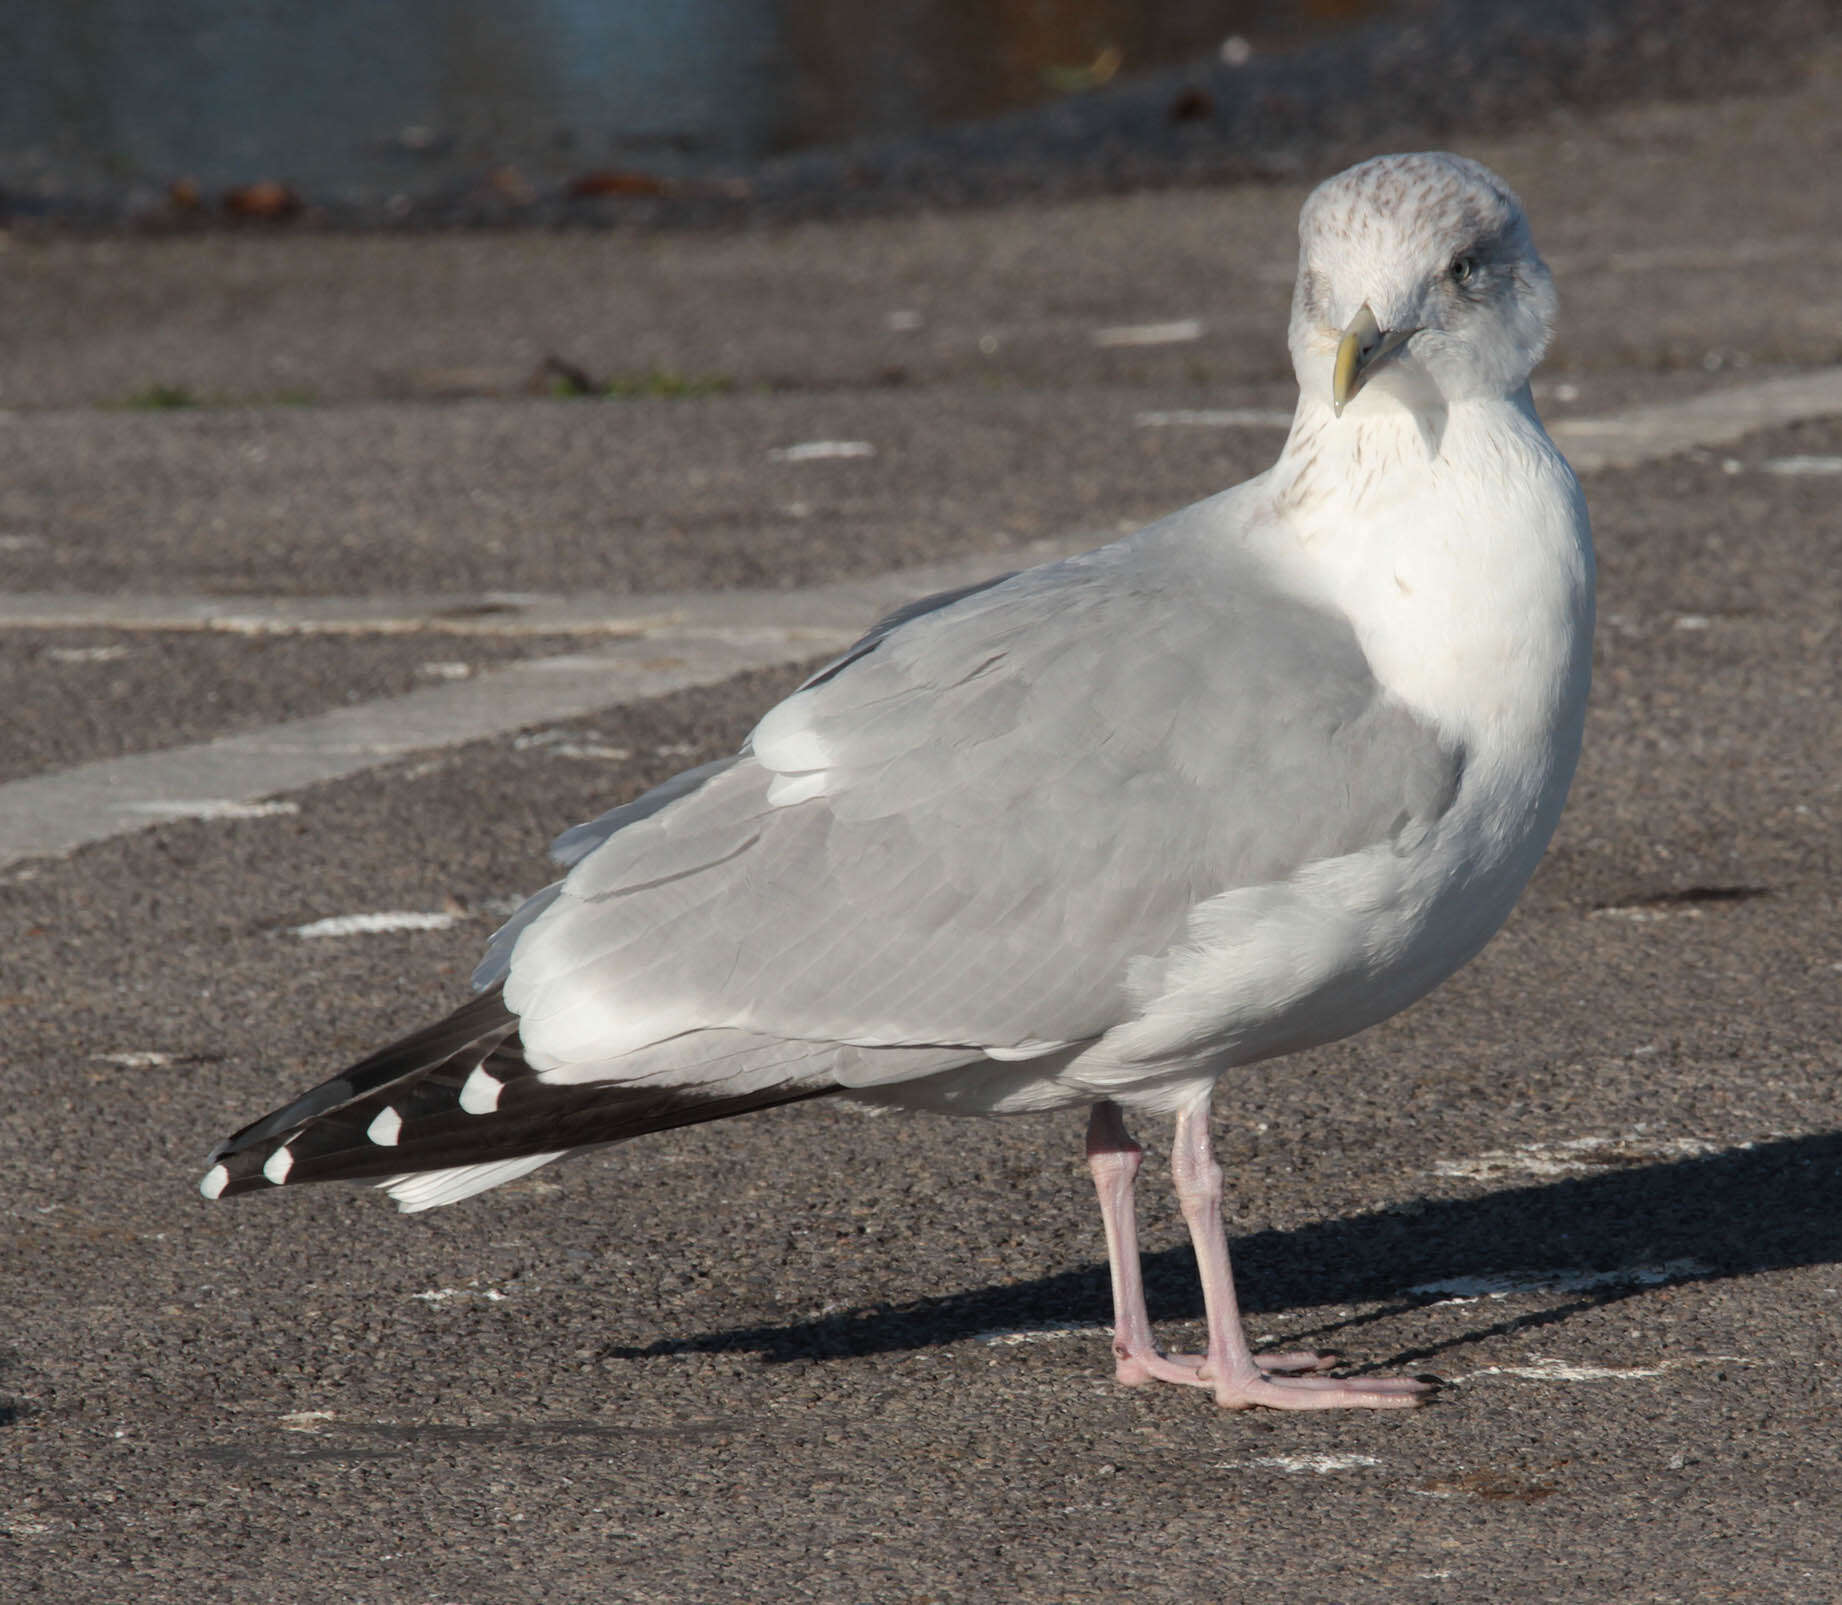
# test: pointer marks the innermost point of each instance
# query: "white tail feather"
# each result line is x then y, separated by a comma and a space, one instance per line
430, 1189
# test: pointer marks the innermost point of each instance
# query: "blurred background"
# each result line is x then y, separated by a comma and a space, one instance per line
366, 97
470, 109
414, 416
363, 99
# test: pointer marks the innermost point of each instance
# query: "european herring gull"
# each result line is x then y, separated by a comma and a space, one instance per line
1095, 834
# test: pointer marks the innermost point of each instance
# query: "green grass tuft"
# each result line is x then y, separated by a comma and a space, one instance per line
662, 384
159, 398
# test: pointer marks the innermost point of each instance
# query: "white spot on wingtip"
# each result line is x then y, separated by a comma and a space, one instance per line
385, 1129
479, 1094
277, 1165
217, 1178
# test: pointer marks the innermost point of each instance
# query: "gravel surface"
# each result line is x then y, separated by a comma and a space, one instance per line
81, 695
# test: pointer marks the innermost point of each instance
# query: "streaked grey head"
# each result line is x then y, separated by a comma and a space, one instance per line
1417, 280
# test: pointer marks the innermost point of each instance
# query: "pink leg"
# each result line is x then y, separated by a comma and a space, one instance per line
1113, 1158
1229, 1366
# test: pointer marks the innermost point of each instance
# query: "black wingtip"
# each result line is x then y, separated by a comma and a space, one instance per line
459, 1093
473, 1032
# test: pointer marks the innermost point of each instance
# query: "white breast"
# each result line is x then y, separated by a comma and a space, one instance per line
1467, 572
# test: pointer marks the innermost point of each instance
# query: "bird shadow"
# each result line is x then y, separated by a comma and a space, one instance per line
1597, 1238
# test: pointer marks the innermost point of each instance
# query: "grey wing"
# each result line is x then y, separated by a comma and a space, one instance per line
894, 621
962, 834
579, 841
572, 847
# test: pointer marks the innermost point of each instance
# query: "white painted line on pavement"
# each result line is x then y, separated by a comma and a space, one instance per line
1036, 1334
1544, 1370
53, 813
1501, 1285
1643, 434
1617, 440
816, 451
1216, 418
846, 605
657, 645
374, 924
1575, 1155
491, 614
88, 654
210, 808
1319, 1464
1804, 465
1179, 331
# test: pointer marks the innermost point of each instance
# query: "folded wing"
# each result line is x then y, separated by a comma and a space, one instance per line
961, 836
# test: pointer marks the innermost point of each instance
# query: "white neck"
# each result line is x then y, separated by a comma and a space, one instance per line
1455, 538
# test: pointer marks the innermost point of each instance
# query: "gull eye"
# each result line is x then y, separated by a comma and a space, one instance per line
1463, 269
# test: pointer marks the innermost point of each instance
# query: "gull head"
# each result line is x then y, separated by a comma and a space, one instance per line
1418, 284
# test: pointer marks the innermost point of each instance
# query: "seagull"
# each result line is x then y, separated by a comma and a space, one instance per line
1099, 834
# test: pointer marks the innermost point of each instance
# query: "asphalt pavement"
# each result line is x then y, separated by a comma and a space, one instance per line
1593, 1182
